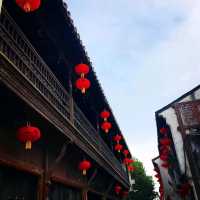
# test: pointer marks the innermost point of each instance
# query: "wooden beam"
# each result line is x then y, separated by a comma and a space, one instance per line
59, 157
92, 177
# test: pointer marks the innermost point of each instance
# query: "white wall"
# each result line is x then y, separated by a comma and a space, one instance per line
172, 121
0, 4
168, 190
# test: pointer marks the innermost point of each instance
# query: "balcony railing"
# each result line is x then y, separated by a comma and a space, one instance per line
18, 50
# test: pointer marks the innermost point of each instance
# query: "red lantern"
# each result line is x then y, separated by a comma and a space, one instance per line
118, 188
82, 84
118, 147
164, 157
128, 161
131, 168
165, 142
106, 126
117, 138
28, 134
105, 115
84, 166
82, 69
126, 152
28, 5
163, 130
165, 151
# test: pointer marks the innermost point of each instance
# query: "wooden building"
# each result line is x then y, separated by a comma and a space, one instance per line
38, 53
179, 123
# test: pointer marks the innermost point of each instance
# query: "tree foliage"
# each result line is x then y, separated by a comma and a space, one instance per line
143, 189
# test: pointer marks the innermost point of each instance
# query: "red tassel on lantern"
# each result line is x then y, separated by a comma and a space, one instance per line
84, 166
106, 126
28, 134
28, 5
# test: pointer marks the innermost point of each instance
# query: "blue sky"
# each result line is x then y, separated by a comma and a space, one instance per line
146, 54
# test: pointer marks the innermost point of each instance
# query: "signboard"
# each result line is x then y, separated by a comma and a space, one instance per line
188, 114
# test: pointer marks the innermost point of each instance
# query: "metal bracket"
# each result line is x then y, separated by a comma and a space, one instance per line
109, 188
59, 158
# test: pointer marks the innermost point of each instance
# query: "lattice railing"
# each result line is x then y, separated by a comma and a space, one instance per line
19, 51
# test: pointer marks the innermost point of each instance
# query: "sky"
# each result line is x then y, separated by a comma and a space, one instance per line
145, 54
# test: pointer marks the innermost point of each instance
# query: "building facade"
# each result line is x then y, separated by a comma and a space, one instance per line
38, 86
180, 120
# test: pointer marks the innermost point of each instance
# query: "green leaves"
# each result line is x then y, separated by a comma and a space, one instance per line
143, 188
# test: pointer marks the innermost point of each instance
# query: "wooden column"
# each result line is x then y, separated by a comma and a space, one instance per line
45, 176
84, 194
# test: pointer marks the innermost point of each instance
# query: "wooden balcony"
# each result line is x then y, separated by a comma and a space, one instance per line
31, 79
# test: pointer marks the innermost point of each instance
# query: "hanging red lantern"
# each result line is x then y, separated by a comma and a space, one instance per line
164, 157
117, 138
82, 84
163, 130
131, 168
118, 189
106, 126
131, 161
126, 152
105, 115
28, 5
82, 69
84, 166
165, 151
118, 147
128, 161
165, 142
28, 134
